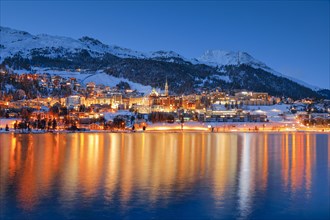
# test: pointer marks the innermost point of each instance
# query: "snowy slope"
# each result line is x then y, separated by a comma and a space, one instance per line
20, 42
15, 41
223, 58
85, 77
105, 79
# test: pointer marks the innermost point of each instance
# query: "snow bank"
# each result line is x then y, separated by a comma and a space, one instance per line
108, 80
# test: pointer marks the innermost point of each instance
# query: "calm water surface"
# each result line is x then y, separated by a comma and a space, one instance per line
165, 175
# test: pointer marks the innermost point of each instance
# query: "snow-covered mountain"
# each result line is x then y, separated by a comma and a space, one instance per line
20, 42
223, 58
14, 41
215, 68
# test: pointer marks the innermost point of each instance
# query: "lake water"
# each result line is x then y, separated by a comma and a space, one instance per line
165, 176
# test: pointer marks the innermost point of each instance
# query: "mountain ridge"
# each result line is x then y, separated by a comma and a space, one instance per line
20, 48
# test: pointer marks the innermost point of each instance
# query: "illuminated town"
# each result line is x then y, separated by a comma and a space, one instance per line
73, 106
171, 110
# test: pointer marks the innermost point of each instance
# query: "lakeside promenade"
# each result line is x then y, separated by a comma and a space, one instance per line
189, 127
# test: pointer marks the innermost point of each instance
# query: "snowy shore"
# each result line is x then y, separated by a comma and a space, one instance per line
214, 127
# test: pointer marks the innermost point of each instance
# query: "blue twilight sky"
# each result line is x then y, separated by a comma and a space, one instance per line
292, 37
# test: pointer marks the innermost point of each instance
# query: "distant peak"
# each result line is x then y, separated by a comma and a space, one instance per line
13, 31
90, 40
222, 57
217, 53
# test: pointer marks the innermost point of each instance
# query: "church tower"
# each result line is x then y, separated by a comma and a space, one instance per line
166, 88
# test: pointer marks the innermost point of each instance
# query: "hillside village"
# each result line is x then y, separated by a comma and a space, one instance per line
35, 99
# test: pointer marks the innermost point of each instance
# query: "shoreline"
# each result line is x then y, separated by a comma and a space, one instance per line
163, 131
189, 127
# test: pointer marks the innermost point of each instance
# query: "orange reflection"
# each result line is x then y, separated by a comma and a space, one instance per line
329, 151
265, 162
297, 164
27, 188
285, 159
153, 166
223, 161
14, 157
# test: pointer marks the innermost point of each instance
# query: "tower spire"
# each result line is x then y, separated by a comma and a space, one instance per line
166, 87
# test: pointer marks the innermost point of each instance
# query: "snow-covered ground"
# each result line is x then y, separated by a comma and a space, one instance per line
223, 58
224, 78
16, 41
20, 41
105, 79
272, 111
98, 77
109, 116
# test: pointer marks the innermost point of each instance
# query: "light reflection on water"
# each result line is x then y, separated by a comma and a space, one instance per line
168, 175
